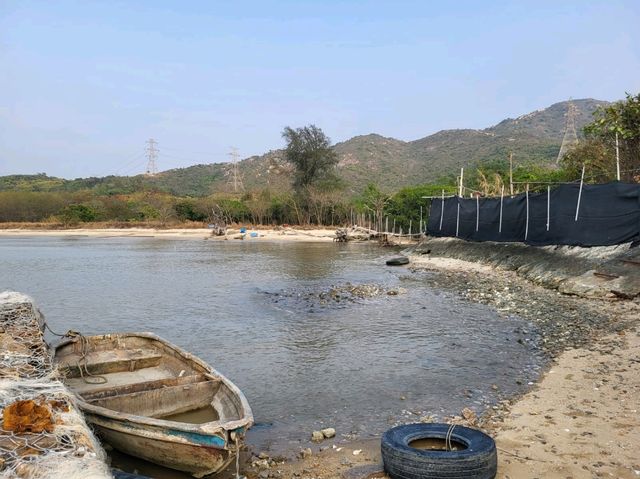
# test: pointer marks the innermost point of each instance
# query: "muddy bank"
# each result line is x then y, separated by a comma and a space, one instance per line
597, 272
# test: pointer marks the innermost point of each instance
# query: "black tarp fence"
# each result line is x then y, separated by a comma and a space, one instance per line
607, 214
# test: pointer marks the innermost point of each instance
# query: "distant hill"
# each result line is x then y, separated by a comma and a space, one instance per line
534, 137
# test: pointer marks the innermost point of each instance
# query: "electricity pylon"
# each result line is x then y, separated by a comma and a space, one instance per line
152, 156
570, 138
236, 177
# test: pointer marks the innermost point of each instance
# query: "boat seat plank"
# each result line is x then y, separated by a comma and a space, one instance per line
162, 401
146, 385
124, 378
110, 361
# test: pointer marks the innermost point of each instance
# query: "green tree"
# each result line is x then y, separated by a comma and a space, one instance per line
77, 213
188, 210
373, 202
309, 151
622, 119
598, 158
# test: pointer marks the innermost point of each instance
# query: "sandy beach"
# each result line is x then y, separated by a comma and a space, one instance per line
280, 234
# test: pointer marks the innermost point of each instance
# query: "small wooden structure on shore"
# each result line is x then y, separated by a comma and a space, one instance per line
42, 433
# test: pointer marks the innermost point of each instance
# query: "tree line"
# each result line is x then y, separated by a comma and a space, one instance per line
318, 196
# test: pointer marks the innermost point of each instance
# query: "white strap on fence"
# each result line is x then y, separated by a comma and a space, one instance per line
458, 219
477, 212
501, 200
442, 211
580, 193
548, 205
526, 228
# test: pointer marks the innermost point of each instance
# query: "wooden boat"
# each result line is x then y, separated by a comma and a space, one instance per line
150, 399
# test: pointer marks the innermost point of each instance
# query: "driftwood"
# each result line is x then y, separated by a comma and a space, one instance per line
217, 230
355, 233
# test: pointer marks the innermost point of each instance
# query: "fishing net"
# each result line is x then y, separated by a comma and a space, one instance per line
42, 433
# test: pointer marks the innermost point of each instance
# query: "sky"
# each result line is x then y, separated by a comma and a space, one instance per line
83, 84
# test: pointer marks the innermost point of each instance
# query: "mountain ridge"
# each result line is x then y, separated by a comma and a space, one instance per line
534, 137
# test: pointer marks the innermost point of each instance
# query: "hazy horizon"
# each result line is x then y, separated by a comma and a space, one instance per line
85, 84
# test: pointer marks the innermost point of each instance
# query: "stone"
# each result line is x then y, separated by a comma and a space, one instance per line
317, 436
306, 453
328, 432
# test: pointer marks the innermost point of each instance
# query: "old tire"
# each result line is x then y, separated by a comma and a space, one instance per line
398, 261
401, 461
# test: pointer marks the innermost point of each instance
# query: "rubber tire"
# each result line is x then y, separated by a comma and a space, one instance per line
398, 261
401, 461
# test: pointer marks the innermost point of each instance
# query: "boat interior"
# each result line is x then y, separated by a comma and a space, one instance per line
142, 376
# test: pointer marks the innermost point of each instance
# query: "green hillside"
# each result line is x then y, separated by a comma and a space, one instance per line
392, 164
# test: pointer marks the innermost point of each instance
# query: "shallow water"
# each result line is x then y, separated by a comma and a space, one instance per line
245, 308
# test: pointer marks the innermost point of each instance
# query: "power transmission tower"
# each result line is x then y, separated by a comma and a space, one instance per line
236, 177
152, 156
570, 137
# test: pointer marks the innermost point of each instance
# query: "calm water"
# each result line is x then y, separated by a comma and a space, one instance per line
301, 365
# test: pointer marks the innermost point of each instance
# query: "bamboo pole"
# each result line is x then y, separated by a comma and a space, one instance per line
580, 193
511, 172
461, 180
526, 228
477, 212
548, 206
617, 158
442, 211
501, 202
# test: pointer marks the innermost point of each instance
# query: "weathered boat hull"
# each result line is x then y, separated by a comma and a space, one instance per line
195, 457
149, 385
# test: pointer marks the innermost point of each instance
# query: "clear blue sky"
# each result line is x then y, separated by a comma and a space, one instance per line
83, 84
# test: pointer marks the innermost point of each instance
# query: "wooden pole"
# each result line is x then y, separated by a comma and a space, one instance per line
617, 158
461, 180
420, 218
477, 212
458, 219
386, 226
580, 193
409, 229
511, 172
394, 226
